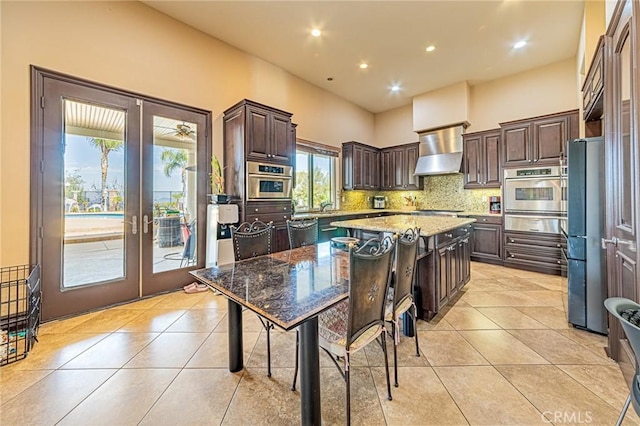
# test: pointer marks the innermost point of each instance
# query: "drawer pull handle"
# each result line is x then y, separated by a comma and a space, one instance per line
333, 228
512, 255
448, 235
256, 209
559, 262
484, 220
511, 240
557, 245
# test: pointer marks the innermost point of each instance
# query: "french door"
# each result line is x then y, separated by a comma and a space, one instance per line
119, 188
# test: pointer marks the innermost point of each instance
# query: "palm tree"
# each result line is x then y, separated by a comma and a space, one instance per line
174, 159
105, 146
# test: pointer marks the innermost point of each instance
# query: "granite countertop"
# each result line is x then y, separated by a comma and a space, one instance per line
336, 213
429, 225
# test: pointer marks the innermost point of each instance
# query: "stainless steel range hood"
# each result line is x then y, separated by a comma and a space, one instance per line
440, 150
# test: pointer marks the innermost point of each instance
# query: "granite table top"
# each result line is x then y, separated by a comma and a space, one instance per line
288, 287
429, 225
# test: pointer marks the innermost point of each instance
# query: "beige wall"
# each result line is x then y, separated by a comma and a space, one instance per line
442, 107
131, 46
544, 90
395, 127
539, 91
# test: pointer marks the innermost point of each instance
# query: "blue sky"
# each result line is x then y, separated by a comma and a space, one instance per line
81, 156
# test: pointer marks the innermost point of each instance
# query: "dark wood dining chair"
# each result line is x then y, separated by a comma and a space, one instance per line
302, 232
400, 299
252, 239
354, 323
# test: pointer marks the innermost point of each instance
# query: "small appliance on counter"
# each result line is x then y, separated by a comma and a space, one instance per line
495, 207
379, 202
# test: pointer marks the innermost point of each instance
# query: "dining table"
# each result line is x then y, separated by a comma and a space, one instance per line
289, 289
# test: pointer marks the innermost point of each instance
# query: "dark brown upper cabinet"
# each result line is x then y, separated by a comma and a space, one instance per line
481, 160
538, 140
360, 166
397, 165
267, 132
593, 86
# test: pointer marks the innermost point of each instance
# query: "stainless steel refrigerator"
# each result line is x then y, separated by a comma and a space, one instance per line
586, 269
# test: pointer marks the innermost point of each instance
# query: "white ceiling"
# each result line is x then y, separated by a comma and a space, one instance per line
473, 40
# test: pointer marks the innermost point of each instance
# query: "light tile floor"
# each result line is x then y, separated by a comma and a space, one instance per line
503, 353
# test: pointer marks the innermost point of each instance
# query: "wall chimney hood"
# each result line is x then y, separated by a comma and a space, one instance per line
440, 150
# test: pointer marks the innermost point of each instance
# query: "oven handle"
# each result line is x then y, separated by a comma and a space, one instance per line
530, 216
547, 177
268, 176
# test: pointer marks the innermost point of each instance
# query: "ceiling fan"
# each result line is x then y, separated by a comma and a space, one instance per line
181, 130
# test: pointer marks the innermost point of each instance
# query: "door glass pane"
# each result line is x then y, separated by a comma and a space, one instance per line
321, 180
627, 157
93, 196
174, 194
301, 190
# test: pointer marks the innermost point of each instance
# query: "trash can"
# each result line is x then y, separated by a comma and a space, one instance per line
169, 231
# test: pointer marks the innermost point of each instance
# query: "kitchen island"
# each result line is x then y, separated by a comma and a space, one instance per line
443, 265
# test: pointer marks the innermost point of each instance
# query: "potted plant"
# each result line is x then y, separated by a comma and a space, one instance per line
217, 182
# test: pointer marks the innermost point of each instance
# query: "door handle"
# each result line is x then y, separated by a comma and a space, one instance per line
145, 223
134, 224
617, 241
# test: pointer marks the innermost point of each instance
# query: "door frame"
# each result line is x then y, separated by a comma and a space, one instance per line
625, 19
37, 187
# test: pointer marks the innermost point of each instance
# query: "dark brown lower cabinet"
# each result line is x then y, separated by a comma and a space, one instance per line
443, 268
534, 251
326, 231
486, 242
277, 212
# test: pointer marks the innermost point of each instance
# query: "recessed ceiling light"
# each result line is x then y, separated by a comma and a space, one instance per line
519, 44
395, 88
316, 32
430, 48
364, 66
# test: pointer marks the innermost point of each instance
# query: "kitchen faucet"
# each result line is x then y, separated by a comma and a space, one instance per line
324, 205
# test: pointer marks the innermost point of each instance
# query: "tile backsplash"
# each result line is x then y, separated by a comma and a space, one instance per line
443, 192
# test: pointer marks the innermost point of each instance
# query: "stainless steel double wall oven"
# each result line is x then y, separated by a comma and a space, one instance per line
534, 199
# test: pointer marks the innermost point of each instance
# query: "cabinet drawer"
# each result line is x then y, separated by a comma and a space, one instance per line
546, 259
532, 241
497, 220
259, 208
276, 218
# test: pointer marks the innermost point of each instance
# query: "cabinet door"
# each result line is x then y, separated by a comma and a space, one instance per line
370, 169
492, 177
258, 135
465, 259
347, 167
516, 142
358, 172
472, 162
549, 136
411, 159
443, 276
454, 268
386, 169
398, 180
487, 241
282, 146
